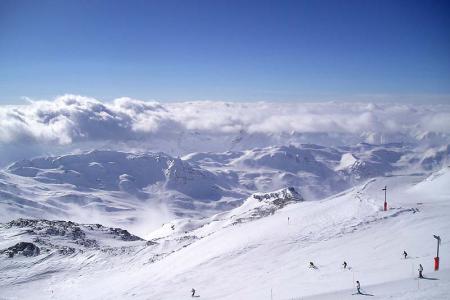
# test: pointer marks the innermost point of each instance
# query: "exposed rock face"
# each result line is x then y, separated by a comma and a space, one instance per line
23, 248
65, 237
69, 229
280, 198
124, 234
267, 204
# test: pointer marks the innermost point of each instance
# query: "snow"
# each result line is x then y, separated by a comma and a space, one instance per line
347, 161
140, 191
251, 260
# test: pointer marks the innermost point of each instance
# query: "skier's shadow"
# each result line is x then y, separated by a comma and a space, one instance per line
430, 278
364, 294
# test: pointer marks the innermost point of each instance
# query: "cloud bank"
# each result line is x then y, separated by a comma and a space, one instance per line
72, 119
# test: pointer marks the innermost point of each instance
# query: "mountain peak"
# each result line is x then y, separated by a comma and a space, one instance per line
279, 198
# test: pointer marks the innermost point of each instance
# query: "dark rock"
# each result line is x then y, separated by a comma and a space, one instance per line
151, 243
124, 234
24, 248
55, 231
77, 233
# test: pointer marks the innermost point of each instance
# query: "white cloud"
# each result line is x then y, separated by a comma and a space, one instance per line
70, 119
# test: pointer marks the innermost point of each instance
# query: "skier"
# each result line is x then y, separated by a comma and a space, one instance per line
311, 265
358, 287
420, 271
405, 254
193, 292
345, 265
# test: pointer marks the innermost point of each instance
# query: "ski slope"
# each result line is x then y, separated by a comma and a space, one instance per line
268, 256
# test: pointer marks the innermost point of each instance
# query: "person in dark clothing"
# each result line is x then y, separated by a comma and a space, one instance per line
420, 271
311, 265
358, 287
193, 292
405, 254
344, 265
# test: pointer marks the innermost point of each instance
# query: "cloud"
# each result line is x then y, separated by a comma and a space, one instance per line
73, 119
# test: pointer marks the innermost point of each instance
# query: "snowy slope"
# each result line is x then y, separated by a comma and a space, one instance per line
112, 187
251, 259
257, 206
141, 191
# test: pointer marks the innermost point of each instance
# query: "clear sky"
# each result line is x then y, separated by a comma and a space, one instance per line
226, 50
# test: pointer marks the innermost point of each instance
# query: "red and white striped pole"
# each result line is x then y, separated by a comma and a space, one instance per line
385, 202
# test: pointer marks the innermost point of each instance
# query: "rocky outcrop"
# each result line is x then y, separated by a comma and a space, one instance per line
65, 237
22, 248
279, 198
265, 204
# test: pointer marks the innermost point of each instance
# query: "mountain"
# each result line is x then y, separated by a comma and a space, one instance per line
257, 206
141, 191
263, 255
118, 171
110, 184
43, 237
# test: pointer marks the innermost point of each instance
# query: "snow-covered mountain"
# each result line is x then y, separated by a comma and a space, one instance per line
141, 191
109, 183
258, 250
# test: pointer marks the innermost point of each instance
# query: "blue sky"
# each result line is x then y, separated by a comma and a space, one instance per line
226, 50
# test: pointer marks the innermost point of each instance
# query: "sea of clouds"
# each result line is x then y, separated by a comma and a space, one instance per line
75, 122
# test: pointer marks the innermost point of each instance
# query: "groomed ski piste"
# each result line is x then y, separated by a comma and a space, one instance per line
261, 250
